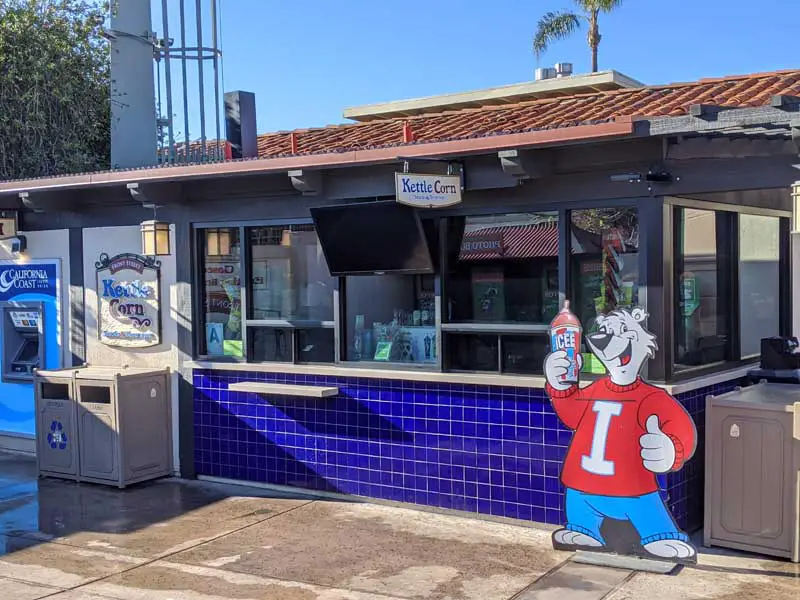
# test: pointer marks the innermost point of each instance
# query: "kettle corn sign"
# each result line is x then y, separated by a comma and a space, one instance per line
427, 191
128, 291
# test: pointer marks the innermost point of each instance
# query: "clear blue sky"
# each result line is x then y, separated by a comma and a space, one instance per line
306, 60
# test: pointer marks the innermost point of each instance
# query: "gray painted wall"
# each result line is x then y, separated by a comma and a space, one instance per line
118, 240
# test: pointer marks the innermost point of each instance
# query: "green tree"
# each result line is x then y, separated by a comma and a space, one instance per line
559, 25
54, 88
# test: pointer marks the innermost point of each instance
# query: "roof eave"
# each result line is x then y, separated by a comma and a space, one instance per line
479, 145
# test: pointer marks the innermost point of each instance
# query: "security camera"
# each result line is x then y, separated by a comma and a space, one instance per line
19, 244
659, 176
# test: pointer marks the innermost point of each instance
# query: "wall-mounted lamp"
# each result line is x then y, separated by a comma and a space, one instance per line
218, 242
155, 238
155, 234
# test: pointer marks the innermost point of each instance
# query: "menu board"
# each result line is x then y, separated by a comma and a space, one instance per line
25, 319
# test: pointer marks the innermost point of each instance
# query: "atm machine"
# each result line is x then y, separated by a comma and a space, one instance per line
23, 340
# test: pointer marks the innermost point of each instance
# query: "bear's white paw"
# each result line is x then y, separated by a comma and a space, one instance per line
670, 549
575, 538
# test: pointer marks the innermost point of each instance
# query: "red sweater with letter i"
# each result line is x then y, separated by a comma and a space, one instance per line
608, 420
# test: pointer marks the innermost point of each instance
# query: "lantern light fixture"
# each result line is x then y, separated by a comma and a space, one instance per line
155, 233
218, 242
155, 238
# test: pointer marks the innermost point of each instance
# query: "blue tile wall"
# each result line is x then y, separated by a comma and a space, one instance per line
685, 489
482, 449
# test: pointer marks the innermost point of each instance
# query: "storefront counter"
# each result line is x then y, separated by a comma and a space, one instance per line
480, 443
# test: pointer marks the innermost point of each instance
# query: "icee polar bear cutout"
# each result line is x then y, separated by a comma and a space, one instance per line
626, 432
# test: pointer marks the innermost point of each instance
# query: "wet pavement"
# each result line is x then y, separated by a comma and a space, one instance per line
174, 540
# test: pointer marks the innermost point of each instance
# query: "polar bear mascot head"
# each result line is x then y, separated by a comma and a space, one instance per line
622, 343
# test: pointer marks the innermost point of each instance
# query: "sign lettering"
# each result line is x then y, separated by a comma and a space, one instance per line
128, 291
428, 191
31, 278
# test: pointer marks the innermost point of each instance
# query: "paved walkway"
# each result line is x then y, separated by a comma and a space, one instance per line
174, 540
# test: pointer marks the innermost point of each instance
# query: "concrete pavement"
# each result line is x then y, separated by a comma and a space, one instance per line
173, 540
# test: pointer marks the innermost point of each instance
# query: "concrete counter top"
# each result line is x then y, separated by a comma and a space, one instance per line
438, 377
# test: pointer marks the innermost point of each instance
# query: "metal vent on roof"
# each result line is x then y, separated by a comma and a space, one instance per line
563, 69
545, 73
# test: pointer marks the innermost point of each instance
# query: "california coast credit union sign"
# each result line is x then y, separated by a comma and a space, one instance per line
27, 279
129, 311
427, 191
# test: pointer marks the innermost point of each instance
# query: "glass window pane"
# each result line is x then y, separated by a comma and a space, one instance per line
472, 352
222, 292
605, 261
701, 319
759, 281
315, 345
391, 318
525, 354
504, 270
290, 276
269, 344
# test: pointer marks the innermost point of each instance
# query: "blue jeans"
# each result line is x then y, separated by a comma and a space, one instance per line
648, 514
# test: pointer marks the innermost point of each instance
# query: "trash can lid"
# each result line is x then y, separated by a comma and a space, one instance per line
769, 396
108, 373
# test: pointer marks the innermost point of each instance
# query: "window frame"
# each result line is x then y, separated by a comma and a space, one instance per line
781, 280
340, 335
656, 287
198, 291
563, 210
245, 290
728, 262
294, 325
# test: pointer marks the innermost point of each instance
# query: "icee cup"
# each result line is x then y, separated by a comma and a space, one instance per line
565, 334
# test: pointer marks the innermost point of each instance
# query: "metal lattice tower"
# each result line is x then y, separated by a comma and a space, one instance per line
144, 102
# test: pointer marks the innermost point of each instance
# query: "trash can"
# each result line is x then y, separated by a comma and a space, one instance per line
122, 430
56, 424
752, 495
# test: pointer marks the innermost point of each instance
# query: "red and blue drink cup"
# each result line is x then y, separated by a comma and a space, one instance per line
565, 334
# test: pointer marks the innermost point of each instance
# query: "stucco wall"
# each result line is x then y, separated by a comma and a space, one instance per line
118, 240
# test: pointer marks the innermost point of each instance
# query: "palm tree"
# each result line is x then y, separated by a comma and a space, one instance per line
558, 25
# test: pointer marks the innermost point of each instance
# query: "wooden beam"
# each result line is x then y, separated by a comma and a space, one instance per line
704, 111
784, 101
309, 183
526, 164
725, 147
724, 120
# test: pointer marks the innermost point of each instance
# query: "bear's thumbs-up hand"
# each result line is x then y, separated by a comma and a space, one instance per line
658, 450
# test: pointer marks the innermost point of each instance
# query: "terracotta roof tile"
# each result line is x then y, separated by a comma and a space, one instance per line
664, 100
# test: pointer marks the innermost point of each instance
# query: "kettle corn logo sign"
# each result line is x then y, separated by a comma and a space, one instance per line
128, 291
427, 191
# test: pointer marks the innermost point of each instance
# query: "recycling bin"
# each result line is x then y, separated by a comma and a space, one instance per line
121, 425
752, 499
56, 424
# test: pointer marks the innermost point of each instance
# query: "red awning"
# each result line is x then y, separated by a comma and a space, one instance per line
510, 241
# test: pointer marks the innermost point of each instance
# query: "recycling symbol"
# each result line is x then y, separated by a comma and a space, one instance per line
57, 438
